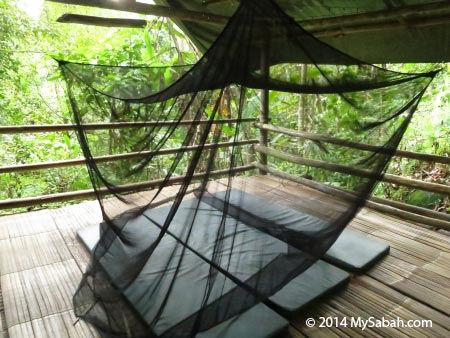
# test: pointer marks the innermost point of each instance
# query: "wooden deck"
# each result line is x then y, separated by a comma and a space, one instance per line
41, 264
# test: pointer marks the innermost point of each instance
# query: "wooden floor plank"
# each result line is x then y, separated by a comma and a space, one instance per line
26, 224
3, 327
369, 304
27, 252
386, 223
62, 325
420, 310
39, 292
73, 218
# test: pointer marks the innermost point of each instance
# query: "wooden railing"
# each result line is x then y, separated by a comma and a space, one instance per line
49, 128
118, 157
90, 193
389, 178
411, 212
354, 145
83, 194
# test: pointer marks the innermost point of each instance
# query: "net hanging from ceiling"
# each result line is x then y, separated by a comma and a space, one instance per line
180, 269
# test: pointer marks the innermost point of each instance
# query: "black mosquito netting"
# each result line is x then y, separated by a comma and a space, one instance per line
167, 263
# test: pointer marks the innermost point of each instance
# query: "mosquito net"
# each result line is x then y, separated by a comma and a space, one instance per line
172, 265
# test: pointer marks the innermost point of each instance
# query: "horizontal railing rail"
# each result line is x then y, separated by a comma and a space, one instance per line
90, 193
389, 178
118, 157
355, 145
49, 128
128, 188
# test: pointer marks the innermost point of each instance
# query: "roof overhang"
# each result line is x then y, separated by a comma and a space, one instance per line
375, 31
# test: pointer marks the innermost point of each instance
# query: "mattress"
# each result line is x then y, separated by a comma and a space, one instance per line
351, 251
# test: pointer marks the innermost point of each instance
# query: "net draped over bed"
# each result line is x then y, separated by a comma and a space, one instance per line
226, 266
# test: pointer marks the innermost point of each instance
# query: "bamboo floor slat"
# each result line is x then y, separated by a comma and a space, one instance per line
3, 327
42, 262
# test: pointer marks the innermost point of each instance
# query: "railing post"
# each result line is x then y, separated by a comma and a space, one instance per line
302, 109
264, 115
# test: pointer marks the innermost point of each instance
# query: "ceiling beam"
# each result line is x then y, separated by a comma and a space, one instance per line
392, 14
142, 8
397, 18
320, 32
99, 21
383, 26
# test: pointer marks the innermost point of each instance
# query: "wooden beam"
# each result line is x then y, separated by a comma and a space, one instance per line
90, 193
264, 114
118, 157
394, 18
379, 17
355, 145
99, 21
50, 128
147, 9
407, 182
211, 2
416, 214
384, 26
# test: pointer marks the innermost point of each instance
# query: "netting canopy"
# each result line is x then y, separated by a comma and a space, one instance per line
180, 265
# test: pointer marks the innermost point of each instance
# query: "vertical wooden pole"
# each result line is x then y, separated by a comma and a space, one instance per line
302, 107
264, 116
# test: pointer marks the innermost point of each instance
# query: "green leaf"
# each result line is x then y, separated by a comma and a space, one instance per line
148, 45
227, 130
67, 141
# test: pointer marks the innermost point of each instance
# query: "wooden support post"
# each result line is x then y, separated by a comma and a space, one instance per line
264, 116
302, 107
303, 100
